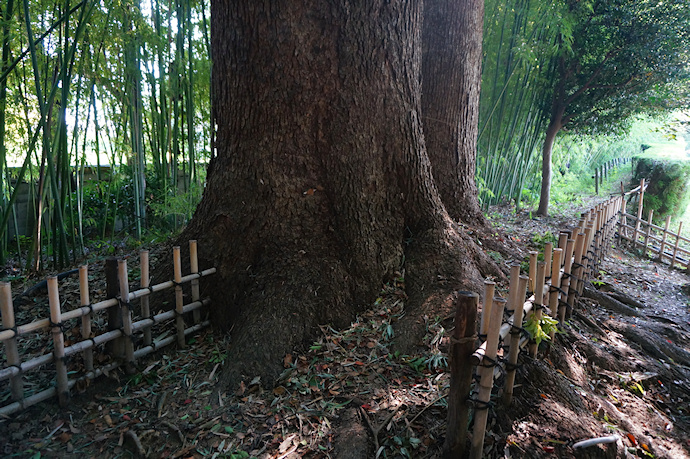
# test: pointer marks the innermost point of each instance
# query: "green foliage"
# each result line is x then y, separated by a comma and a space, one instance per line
667, 193
540, 330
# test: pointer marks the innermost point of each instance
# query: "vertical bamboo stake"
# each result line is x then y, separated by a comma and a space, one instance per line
489, 289
623, 222
461, 349
675, 246
126, 310
538, 303
513, 287
576, 270
58, 340
486, 381
8, 322
548, 252
663, 238
515, 340
555, 285
596, 180
85, 300
145, 282
194, 266
638, 221
532, 269
649, 232
565, 279
562, 242
179, 300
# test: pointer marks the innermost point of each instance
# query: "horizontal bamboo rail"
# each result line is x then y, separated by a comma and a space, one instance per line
85, 311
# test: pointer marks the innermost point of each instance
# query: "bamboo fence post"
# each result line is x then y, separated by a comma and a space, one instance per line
513, 287
675, 246
565, 278
576, 271
489, 289
145, 282
596, 180
562, 242
8, 323
554, 289
623, 222
461, 349
85, 300
663, 238
638, 221
486, 379
515, 332
126, 310
194, 267
548, 253
179, 300
532, 269
116, 347
58, 341
538, 303
648, 233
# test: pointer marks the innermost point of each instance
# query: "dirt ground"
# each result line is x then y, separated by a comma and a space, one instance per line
614, 370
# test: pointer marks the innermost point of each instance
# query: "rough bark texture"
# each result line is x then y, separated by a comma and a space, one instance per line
321, 187
451, 77
555, 125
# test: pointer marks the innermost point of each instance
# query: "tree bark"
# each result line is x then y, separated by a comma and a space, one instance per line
552, 130
321, 188
451, 77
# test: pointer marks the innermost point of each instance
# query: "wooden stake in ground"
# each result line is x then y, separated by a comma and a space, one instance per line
58, 341
489, 289
126, 311
461, 348
532, 269
116, 347
538, 303
554, 290
179, 299
8, 323
675, 246
85, 300
662, 248
515, 340
486, 379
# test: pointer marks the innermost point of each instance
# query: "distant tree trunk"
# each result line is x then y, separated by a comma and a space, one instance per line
321, 188
451, 77
552, 130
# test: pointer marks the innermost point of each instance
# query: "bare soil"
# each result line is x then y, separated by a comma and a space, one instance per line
621, 371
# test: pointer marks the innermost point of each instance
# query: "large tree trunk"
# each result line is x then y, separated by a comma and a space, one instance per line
451, 77
321, 188
551, 131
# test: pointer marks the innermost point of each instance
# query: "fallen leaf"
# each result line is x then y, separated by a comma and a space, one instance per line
632, 439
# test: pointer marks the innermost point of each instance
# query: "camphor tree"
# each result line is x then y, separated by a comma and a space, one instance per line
321, 188
615, 59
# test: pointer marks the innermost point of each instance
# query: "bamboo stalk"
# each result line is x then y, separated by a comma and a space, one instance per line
462, 345
532, 270
486, 381
8, 322
513, 287
86, 318
515, 340
576, 271
649, 231
145, 282
538, 303
565, 279
555, 285
58, 340
179, 300
126, 310
675, 246
638, 220
489, 289
548, 253
194, 267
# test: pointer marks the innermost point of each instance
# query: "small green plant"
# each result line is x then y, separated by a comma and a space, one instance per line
541, 329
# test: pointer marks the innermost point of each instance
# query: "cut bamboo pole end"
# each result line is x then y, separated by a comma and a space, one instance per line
58, 341
8, 322
514, 349
179, 300
487, 301
85, 300
532, 270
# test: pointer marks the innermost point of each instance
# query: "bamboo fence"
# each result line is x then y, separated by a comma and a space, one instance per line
660, 243
135, 336
553, 285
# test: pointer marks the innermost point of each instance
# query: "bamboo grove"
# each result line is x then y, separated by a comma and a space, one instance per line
104, 117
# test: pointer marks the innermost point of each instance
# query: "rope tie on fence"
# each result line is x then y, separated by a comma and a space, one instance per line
480, 404
465, 340
60, 325
18, 367
512, 366
126, 304
177, 284
150, 289
515, 330
482, 336
553, 288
